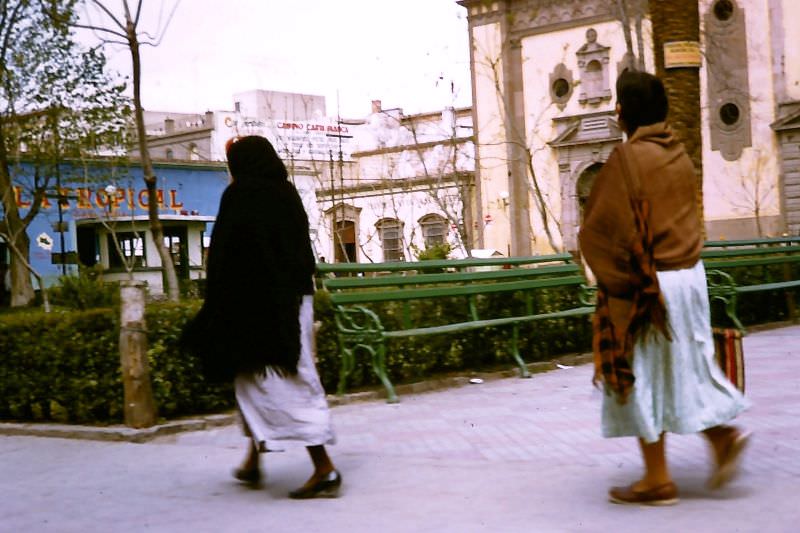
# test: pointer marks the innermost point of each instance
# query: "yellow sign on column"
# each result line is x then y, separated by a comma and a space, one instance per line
681, 54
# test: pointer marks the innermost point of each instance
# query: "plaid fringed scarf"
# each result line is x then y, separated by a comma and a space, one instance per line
613, 349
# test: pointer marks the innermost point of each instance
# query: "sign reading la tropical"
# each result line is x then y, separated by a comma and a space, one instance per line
298, 139
87, 199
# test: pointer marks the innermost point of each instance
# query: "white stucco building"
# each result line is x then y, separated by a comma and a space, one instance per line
384, 187
412, 189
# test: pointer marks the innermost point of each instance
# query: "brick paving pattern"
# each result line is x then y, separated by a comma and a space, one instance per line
506, 455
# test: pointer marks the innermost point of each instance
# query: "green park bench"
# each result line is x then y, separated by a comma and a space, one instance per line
723, 258
353, 287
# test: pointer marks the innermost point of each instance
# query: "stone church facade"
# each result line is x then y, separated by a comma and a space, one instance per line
543, 77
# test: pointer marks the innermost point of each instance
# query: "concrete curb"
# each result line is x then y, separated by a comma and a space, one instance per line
115, 433
120, 433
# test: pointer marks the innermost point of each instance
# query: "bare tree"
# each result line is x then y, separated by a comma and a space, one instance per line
442, 163
755, 191
524, 144
123, 29
636, 10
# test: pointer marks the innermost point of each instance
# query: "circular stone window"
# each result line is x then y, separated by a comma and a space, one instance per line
729, 114
560, 88
723, 10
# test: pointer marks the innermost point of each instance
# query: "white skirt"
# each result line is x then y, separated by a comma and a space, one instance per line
679, 387
287, 410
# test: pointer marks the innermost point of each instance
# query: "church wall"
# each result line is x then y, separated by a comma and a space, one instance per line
791, 47
741, 189
543, 55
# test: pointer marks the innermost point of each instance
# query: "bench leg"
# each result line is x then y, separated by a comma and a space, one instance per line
789, 293
379, 367
730, 310
523, 368
347, 362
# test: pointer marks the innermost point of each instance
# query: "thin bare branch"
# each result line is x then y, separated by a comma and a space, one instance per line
100, 5
102, 30
160, 32
138, 14
9, 23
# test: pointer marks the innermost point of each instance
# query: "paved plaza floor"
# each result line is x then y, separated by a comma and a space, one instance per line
511, 455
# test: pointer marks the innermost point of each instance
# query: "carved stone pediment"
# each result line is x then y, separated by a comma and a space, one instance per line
590, 128
789, 121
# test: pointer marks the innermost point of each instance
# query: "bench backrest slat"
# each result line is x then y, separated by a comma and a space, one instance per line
458, 264
777, 251
752, 242
751, 261
461, 290
448, 278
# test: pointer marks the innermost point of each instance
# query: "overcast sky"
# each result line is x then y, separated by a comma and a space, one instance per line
405, 53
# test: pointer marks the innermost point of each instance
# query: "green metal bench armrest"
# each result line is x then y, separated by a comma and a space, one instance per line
358, 321
588, 295
722, 287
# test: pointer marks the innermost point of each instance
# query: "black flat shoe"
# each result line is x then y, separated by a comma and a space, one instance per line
248, 476
327, 487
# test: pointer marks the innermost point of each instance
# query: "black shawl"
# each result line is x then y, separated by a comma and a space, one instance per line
260, 264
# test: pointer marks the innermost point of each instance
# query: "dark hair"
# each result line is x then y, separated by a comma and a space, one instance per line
642, 99
253, 157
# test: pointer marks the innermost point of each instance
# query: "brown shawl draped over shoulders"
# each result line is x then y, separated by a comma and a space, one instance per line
624, 250
668, 183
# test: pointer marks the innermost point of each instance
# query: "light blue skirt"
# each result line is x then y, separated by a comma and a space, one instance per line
679, 388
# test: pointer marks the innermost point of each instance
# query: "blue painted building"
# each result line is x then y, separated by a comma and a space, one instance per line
102, 201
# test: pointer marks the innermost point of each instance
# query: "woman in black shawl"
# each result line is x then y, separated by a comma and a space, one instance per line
256, 324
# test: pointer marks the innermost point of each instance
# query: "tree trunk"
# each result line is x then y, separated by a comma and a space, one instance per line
14, 229
624, 18
679, 20
22, 293
140, 407
168, 267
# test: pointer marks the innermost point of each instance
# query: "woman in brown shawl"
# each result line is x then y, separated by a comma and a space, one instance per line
654, 353
256, 323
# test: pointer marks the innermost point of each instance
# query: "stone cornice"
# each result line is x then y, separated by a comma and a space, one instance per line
530, 17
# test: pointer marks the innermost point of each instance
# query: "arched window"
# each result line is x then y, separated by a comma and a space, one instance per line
170, 154
584, 186
390, 231
194, 152
594, 77
344, 224
344, 241
593, 60
434, 230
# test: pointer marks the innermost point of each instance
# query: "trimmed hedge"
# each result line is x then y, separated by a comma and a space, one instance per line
64, 366
58, 366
